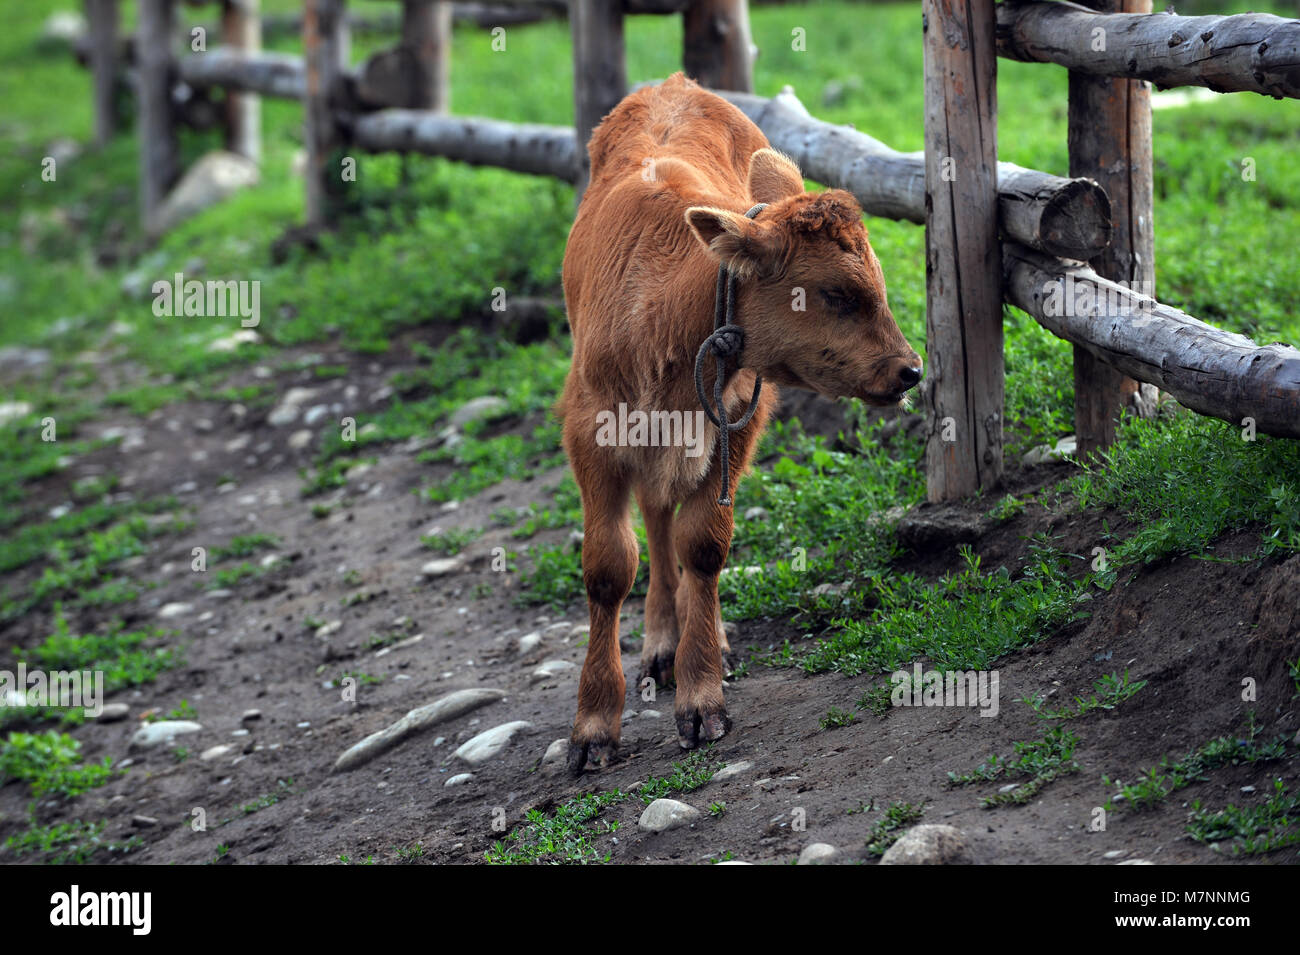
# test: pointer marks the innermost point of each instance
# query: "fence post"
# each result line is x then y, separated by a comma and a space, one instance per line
1110, 141
717, 44
241, 29
599, 70
101, 19
155, 33
426, 33
963, 293
325, 44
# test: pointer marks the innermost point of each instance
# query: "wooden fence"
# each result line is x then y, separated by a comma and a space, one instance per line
995, 232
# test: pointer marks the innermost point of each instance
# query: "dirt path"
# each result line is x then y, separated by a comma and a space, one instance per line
276, 642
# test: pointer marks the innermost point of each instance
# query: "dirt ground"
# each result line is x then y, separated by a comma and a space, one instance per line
1193, 629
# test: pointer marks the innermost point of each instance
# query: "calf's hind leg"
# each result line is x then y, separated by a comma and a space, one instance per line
609, 559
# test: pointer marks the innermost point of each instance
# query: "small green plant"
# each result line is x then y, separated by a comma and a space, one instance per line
889, 827
1037, 762
450, 541
1007, 508
837, 717
408, 855
1109, 691
244, 545
48, 762
185, 711
1249, 830
284, 788
566, 833
878, 700
717, 809
1154, 785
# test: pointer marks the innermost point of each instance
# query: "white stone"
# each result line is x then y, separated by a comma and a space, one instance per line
485, 407
13, 410
555, 753
664, 814
216, 752
732, 769
439, 711
114, 712
550, 669
529, 642
168, 611
819, 853
164, 731
441, 567
490, 742
215, 177
458, 780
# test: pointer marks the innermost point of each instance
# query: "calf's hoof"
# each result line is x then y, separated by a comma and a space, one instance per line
695, 727
598, 753
658, 668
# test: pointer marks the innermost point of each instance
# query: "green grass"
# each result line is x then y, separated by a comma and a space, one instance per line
1036, 763
51, 763
966, 621
1109, 691
125, 658
1249, 830
886, 830
1186, 481
1155, 785
568, 833
68, 843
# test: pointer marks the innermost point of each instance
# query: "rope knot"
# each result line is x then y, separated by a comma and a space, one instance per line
727, 341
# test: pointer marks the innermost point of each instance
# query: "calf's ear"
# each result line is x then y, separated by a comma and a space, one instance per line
744, 246
773, 176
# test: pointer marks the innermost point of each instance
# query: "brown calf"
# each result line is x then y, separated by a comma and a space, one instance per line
673, 170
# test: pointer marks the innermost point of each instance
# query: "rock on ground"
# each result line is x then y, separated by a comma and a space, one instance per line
819, 853
439, 711
164, 731
215, 177
930, 845
490, 742
664, 814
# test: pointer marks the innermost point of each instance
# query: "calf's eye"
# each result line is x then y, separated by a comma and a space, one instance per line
840, 301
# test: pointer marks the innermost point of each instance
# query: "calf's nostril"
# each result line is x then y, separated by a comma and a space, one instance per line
909, 376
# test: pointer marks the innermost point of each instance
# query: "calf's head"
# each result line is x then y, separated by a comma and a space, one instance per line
812, 295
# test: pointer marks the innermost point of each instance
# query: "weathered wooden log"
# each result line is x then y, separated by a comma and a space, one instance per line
1066, 217
1251, 52
522, 147
102, 44
426, 32
159, 155
1216, 373
627, 6
963, 384
325, 43
1109, 136
717, 46
599, 71
241, 30
280, 75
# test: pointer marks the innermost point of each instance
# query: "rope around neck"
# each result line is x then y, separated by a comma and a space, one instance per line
726, 342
